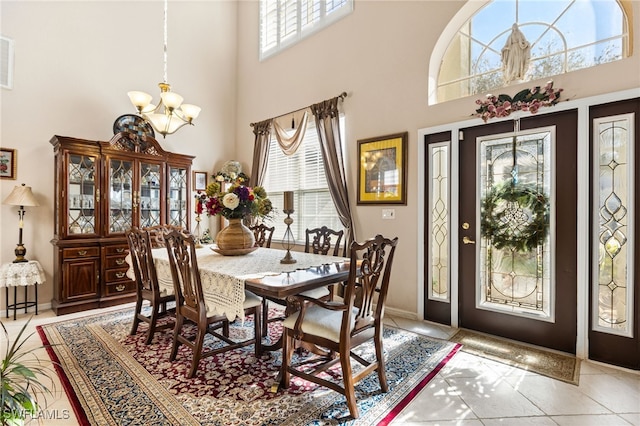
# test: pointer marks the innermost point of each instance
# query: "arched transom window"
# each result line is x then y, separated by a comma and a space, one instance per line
511, 41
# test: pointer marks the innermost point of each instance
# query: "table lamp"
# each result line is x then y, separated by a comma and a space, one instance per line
21, 196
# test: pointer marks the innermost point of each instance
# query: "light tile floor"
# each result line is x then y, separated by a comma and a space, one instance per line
468, 391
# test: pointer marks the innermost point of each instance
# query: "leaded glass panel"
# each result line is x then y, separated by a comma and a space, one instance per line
438, 220
149, 195
515, 211
81, 195
120, 195
177, 197
613, 239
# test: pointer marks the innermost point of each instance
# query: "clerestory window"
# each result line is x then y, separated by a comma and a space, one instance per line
555, 37
285, 22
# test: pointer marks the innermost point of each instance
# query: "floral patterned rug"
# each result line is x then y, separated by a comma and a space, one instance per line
113, 378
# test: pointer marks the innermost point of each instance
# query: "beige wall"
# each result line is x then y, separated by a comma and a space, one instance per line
75, 61
380, 56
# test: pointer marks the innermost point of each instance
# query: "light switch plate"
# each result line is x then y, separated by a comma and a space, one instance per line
388, 213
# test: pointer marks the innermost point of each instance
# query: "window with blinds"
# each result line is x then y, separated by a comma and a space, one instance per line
285, 22
303, 173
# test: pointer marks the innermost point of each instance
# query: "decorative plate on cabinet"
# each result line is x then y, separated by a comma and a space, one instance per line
133, 124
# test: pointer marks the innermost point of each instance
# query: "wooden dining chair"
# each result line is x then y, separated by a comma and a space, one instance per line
147, 284
191, 305
263, 234
157, 233
319, 241
339, 327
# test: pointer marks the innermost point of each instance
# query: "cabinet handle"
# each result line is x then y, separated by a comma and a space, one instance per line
120, 274
120, 287
120, 250
119, 262
82, 252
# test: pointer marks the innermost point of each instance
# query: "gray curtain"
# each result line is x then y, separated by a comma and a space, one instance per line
328, 126
260, 152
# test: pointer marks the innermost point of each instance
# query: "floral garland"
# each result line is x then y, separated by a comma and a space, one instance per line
495, 224
526, 100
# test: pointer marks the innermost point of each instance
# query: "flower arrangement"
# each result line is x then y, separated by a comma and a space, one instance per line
238, 202
526, 100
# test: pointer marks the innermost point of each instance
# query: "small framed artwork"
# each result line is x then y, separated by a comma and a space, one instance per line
382, 175
199, 181
8, 163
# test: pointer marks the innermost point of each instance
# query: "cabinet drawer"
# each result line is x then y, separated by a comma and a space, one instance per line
110, 250
80, 252
120, 287
113, 275
112, 262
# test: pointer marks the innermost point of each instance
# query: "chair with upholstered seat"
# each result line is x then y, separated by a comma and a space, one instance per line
318, 241
263, 234
191, 305
146, 284
339, 327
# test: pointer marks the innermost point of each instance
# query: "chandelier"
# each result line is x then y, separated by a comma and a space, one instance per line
170, 114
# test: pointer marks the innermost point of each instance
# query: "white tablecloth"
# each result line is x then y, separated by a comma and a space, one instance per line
223, 276
21, 274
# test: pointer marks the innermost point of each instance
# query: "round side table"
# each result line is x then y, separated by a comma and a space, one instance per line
22, 274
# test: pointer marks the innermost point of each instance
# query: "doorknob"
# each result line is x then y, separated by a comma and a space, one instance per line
466, 240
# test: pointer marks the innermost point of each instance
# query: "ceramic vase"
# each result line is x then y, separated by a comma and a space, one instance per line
235, 236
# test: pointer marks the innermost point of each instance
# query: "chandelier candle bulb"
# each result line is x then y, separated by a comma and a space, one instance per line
288, 202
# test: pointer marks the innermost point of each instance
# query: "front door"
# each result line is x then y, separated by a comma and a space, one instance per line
517, 248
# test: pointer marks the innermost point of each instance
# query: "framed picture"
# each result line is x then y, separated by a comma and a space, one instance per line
199, 181
8, 163
382, 176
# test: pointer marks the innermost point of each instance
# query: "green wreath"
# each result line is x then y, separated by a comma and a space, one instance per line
496, 223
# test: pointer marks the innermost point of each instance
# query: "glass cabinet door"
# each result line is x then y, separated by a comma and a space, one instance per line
120, 175
149, 201
177, 197
81, 195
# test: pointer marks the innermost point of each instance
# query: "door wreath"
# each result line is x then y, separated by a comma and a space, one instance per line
523, 204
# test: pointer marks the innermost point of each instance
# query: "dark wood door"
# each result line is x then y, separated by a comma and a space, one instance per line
513, 283
614, 320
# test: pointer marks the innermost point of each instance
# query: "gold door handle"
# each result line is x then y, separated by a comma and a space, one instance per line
466, 240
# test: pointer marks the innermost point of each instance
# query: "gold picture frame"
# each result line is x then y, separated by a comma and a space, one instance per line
8, 163
199, 181
382, 175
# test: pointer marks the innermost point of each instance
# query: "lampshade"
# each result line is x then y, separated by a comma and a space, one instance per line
21, 196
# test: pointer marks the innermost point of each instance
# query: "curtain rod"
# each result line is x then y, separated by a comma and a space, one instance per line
341, 96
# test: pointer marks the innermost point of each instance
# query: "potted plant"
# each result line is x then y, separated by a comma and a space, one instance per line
21, 372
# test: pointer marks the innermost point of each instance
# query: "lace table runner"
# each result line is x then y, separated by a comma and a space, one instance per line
223, 276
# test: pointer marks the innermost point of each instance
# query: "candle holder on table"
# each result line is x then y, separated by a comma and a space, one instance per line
288, 241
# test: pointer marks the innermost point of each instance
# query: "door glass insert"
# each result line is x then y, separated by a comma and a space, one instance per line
81, 195
178, 197
120, 195
613, 240
438, 220
515, 232
149, 195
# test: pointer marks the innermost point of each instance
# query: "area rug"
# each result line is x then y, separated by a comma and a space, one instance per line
112, 378
548, 363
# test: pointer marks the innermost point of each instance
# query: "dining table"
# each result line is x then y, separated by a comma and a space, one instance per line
226, 278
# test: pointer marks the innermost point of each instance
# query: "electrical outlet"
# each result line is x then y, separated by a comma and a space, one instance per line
388, 213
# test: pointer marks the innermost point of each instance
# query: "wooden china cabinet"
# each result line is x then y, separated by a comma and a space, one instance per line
102, 189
